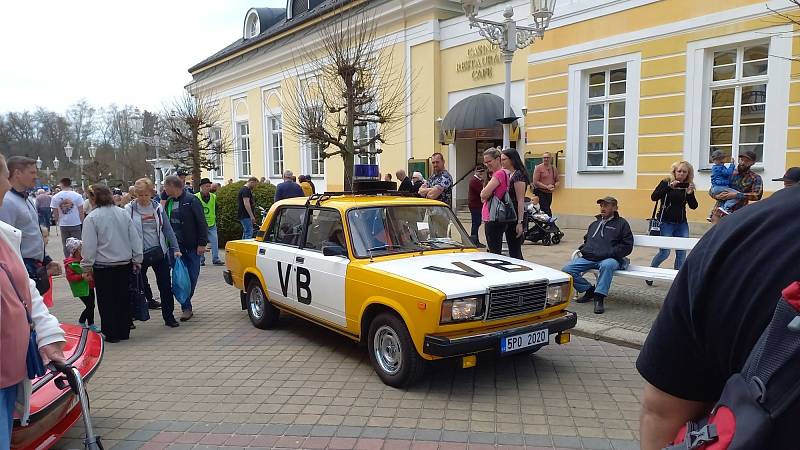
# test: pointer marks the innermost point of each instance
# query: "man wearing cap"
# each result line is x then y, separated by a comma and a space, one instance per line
605, 246
209, 202
790, 178
747, 183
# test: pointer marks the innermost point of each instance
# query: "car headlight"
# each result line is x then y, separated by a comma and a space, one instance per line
461, 309
557, 294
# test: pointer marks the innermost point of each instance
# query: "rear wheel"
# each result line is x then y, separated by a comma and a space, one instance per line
557, 238
546, 240
261, 312
392, 351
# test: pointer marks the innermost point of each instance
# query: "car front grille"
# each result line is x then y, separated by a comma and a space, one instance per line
518, 299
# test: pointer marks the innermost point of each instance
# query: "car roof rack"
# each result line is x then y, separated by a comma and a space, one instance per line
319, 198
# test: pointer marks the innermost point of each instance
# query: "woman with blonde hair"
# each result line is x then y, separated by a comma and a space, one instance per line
673, 194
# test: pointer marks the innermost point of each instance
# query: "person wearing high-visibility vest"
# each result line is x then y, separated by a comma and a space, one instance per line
209, 202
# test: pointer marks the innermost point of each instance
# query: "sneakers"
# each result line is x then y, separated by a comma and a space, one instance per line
648, 282
599, 308
94, 328
155, 304
724, 211
202, 263
173, 324
186, 315
587, 296
219, 263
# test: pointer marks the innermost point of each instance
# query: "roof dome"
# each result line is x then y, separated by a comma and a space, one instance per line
258, 20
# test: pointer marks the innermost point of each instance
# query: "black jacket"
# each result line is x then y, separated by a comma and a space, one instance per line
676, 201
190, 223
612, 239
405, 185
415, 186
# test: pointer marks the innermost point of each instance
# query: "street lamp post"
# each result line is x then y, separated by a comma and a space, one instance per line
510, 37
47, 170
156, 141
80, 161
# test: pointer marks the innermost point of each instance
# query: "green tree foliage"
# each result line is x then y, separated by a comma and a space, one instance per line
228, 226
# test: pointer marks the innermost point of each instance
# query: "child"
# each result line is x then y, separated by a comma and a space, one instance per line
721, 180
83, 289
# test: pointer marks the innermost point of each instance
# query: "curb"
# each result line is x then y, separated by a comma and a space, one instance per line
606, 333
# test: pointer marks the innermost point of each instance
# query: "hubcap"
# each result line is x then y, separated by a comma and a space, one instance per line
257, 303
387, 350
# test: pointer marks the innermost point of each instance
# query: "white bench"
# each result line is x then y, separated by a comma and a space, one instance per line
652, 273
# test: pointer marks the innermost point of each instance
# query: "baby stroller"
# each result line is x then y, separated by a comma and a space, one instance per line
540, 226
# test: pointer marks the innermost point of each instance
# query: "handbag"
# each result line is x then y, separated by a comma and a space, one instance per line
42, 279
138, 302
653, 224
34, 364
501, 209
152, 256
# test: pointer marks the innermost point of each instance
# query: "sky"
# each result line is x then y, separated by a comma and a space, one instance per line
135, 53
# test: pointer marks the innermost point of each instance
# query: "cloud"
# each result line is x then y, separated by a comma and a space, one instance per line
137, 53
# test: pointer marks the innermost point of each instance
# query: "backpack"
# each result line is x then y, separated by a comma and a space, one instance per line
751, 401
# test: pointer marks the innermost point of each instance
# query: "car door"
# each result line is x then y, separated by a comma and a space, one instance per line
321, 278
276, 254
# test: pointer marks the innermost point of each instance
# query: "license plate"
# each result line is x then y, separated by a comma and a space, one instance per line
520, 341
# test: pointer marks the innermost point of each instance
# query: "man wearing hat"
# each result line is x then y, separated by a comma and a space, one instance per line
605, 247
209, 202
790, 178
748, 186
181, 173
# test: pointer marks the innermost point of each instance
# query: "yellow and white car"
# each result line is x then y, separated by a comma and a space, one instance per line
399, 274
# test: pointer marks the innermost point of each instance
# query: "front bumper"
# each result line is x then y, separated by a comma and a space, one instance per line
228, 277
443, 346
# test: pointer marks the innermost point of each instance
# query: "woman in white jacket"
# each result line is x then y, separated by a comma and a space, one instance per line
17, 294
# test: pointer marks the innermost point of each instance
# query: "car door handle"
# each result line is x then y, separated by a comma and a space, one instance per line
300, 259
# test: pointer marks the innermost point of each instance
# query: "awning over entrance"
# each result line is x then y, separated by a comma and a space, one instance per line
475, 117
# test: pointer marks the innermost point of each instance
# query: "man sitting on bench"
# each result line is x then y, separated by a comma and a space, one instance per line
605, 246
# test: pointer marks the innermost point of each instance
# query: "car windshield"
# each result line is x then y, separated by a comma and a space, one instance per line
388, 230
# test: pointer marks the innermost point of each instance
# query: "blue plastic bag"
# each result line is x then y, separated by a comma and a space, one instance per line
181, 285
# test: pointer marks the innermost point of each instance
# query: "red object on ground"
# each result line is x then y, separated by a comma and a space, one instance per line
48, 296
54, 410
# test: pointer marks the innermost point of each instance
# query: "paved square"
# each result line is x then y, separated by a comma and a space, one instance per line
218, 382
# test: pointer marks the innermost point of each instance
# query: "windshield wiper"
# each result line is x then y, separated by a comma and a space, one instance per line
385, 247
438, 241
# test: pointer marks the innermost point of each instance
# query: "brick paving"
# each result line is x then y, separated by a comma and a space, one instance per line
218, 382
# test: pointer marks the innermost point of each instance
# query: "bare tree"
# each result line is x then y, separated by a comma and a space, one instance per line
354, 98
198, 137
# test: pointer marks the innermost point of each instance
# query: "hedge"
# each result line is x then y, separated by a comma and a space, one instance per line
228, 226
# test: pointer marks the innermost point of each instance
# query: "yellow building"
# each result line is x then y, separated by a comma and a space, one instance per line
620, 88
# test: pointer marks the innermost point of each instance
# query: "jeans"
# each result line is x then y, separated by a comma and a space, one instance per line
673, 230
68, 232
191, 260
213, 240
45, 216
476, 224
727, 204
164, 283
606, 269
8, 396
494, 238
247, 228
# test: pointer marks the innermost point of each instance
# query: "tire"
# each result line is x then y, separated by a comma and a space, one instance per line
392, 352
546, 241
261, 312
557, 238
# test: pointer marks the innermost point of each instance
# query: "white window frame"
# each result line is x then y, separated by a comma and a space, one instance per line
577, 119
272, 132
242, 141
215, 135
604, 100
699, 64
367, 132
315, 163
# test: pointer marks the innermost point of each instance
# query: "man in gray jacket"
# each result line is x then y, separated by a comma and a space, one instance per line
19, 211
605, 247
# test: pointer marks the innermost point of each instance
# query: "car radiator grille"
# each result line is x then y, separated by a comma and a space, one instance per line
518, 299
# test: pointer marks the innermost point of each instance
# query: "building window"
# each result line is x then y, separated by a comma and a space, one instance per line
215, 136
364, 133
276, 145
604, 118
316, 151
738, 93
243, 138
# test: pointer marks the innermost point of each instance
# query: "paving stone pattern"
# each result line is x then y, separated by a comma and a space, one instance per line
218, 382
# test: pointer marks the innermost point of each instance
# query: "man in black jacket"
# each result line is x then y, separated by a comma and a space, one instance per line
405, 181
605, 246
189, 223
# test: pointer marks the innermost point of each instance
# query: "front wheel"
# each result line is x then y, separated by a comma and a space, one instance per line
261, 312
557, 238
392, 351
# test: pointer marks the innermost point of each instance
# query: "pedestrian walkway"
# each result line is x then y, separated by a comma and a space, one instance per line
218, 382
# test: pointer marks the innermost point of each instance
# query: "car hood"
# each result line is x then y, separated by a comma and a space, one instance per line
469, 273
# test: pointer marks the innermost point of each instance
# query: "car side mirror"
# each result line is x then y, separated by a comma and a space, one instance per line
334, 250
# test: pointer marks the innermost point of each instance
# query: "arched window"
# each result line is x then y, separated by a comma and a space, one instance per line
252, 27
